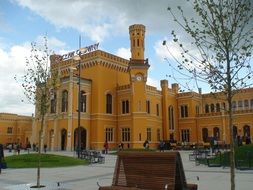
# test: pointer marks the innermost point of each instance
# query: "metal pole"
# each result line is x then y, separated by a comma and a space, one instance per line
79, 99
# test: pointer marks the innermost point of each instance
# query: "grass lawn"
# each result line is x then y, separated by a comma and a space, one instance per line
243, 157
47, 161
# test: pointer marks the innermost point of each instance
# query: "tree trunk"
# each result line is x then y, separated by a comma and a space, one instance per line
39, 151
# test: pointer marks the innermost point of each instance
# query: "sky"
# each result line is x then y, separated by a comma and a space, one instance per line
62, 21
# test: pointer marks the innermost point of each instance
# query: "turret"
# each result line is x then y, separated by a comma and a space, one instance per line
137, 37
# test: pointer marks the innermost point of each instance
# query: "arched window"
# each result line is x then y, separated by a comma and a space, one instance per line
205, 134
216, 132
64, 101
212, 108
207, 108
53, 103
171, 118
217, 107
83, 101
108, 103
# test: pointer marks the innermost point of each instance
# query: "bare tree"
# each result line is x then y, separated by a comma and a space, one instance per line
37, 82
221, 36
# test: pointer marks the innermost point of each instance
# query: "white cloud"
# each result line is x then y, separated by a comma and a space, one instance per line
170, 50
153, 82
124, 53
12, 63
99, 19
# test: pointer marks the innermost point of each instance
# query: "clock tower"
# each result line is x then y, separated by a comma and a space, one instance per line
138, 69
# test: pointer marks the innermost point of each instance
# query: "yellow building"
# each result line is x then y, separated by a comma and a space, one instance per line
118, 106
15, 129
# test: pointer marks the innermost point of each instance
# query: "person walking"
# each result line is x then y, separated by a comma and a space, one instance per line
106, 147
1, 156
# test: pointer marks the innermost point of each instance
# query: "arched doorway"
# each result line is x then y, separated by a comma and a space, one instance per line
216, 133
246, 131
83, 138
234, 131
63, 139
204, 134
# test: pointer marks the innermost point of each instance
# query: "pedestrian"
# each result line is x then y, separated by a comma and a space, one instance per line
45, 148
28, 147
18, 148
34, 147
106, 147
1, 156
146, 144
161, 146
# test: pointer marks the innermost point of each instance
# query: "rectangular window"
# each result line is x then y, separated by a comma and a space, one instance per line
246, 104
9, 130
109, 134
185, 135
125, 135
125, 107
184, 111
148, 106
240, 105
157, 110
149, 134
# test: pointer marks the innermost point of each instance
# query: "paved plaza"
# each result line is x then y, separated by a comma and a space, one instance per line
86, 177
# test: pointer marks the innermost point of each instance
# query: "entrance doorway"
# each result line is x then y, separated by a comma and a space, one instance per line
63, 139
83, 138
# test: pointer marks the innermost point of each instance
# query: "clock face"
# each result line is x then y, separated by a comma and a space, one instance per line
138, 78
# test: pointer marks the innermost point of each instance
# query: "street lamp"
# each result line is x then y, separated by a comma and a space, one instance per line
78, 58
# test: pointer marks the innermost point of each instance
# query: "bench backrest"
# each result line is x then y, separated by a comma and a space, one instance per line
149, 170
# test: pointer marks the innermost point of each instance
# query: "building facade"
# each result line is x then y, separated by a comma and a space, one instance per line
117, 105
15, 129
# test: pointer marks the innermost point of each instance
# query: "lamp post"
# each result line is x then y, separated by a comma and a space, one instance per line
78, 58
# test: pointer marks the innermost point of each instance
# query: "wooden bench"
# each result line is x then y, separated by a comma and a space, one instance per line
149, 170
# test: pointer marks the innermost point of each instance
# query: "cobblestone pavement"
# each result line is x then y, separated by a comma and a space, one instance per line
86, 177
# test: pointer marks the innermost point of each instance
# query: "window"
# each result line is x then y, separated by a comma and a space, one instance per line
53, 103
217, 107
224, 105
207, 108
138, 43
148, 106
157, 110
185, 135
240, 106
205, 134
251, 103
184, 111
149, 134
125, 135
158, 134
9, 130
246, 104
171, 118
234, 105
109, 134
212, 108
108, 103
125, 106
83, 101
64, 107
